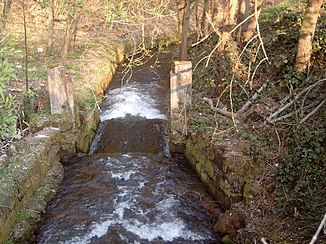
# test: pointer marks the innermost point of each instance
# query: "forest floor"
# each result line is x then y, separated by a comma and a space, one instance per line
289, 147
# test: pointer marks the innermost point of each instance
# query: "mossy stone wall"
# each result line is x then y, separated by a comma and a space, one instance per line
229, 175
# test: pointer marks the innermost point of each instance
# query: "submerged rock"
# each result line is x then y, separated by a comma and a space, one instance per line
230, 222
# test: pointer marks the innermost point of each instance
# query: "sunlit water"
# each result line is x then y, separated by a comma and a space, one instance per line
128, 189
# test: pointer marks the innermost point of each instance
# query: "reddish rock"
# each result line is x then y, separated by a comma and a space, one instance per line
230, 222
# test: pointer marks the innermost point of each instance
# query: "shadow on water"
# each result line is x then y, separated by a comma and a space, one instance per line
129, 189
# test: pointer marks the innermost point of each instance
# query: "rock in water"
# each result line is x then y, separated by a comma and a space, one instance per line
230, 222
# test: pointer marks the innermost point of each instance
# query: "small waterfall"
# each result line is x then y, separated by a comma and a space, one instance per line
128, 189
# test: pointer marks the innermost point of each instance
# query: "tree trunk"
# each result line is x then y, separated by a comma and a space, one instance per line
233, 11
252, 22
228, 22
181, 10
307, 31
243, 13
4, 14
204, 20
218, 11
50, 29
69, 39
183, 54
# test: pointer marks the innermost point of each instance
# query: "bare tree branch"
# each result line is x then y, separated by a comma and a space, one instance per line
251, 100
290, 114
216, 109
313, 112
322, 224
281, 109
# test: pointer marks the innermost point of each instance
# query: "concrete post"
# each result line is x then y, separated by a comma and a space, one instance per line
60, 91
180, 98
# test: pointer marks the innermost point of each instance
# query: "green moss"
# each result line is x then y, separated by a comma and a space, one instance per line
209, 168
198, 168
203, 176
21, 215
226, 187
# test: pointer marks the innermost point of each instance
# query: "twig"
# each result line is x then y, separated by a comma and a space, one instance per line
322, 223
253, 74
231, 104
242, 52
209, 34
258, 32
224, 131
201, 40
228, 34
251, 100
290, 114
96, 103
218, 110
4, 206
4, 38
279, 144
313, 112
281, 109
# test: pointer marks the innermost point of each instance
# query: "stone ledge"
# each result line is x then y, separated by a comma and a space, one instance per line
33, 159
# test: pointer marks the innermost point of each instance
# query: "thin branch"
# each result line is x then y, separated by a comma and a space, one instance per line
281, 109
253, 74
258, 32
25, 45
218, 110
201, 40
251, 100
290, 114
322, 225
313, 112
228, 34
231, 104
2, 39
209, 34
96, 105
247, 44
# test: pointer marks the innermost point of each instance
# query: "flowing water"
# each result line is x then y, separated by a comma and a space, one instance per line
128, 189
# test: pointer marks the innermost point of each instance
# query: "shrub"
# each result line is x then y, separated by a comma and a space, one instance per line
8, 115
301, 179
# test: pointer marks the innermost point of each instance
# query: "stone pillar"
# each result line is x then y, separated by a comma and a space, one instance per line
180, 98
60, 91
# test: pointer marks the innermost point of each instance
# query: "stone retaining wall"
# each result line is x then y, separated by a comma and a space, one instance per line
229, 174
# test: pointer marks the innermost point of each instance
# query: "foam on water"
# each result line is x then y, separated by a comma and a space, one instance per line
166, 230
166, 226
131, 101
123, 175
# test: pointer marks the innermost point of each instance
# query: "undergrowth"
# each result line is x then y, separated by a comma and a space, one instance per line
298, 183
301, 179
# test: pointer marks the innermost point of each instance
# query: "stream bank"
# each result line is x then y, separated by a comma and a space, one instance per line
32, 170
229, 174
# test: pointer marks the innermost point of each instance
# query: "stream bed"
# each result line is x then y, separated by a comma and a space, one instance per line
129, 189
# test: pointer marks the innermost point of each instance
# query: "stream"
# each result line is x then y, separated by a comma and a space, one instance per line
129, 189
